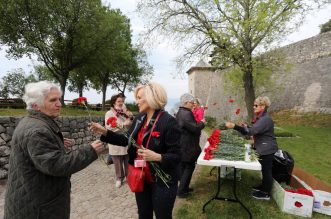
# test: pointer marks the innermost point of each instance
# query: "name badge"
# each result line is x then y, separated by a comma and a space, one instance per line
139, 163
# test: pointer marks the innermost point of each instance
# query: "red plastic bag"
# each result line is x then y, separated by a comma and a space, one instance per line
136, 178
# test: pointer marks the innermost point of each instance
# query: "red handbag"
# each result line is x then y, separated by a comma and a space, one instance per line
136, 178
136, 175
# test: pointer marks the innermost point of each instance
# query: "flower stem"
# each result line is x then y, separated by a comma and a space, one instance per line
87, 111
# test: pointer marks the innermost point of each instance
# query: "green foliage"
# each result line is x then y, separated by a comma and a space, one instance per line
231, 31
65, 35
13, 84
326, 27
211, 122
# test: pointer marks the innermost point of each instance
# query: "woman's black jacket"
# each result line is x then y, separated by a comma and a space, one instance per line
167, 144
190, 135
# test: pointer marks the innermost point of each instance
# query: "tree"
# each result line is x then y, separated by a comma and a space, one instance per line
63, 34
134, 70
326, 27
233, 30
78, 81
118, 64
13, 84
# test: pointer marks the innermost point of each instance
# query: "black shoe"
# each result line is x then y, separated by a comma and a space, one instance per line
257, 188
190, 189
261, 195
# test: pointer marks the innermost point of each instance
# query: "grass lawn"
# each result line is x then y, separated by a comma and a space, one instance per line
311, 149
205, 187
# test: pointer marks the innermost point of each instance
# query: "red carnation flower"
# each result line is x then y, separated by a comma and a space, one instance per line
112, 122
231, 100
81, 100
237, 111
155, 134
206, 107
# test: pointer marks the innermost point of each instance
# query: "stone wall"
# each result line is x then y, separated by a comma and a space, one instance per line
71, 127
307, 87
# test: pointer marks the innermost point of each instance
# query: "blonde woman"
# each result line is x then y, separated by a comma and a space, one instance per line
163, 149
265, 143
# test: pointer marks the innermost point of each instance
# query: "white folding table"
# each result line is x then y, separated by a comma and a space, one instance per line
247, 164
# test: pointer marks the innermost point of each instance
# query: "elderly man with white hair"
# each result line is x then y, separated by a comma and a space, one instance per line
189, 142
39, 167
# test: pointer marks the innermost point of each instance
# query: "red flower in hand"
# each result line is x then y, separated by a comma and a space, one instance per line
231, 100
81, 100
112, 122
237, 111
206, 107
155, 134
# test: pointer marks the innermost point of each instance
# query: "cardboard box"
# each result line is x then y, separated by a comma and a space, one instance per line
321, 191
292, 203
322, 202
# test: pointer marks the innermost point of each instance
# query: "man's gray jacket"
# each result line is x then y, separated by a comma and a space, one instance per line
39, 170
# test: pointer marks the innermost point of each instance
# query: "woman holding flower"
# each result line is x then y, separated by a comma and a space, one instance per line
265, 143
160, 147
119, 154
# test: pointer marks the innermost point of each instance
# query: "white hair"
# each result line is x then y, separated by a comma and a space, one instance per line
186, 98
35, 93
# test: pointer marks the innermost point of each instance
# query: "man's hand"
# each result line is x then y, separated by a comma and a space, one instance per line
68, 143
97, 146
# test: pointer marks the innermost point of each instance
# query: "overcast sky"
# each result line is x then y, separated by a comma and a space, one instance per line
162, 56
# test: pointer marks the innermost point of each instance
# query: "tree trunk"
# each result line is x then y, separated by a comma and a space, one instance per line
63, 84
104, 89
249, 92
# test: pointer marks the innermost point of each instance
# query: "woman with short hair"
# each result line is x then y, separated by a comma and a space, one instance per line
119, 154
163, 149
265, 144
189, 142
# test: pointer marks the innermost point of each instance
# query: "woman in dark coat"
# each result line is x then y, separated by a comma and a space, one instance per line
162, 149
189, 142
265, 144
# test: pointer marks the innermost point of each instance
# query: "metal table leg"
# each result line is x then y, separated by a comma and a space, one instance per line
227, 199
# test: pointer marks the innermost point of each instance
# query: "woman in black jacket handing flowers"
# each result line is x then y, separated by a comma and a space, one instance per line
265, 144
158, 133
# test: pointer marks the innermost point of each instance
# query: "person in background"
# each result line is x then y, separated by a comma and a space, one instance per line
118, 154
39, 172
127, 114
163, 149
198, 111
189, 142
265, 144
